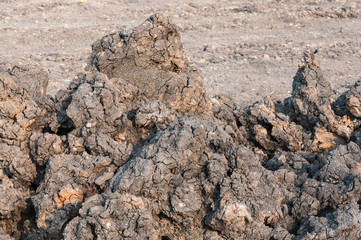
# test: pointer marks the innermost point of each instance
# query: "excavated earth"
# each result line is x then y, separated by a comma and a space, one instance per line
135, 148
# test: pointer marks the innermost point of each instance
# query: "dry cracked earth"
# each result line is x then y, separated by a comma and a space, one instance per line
212, 120
245, 49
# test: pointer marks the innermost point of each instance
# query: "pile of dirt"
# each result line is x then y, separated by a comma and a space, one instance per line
135, 149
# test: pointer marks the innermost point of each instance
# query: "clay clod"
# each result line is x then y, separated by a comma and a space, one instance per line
135, 149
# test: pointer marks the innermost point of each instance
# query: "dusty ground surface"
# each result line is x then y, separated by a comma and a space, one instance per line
245, 49
135, 149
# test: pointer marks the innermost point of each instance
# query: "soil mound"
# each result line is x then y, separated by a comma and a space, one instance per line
135, 149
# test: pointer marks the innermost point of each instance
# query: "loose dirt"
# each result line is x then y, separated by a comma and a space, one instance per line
245, 49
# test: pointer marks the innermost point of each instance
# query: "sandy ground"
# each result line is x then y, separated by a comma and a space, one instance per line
246, 49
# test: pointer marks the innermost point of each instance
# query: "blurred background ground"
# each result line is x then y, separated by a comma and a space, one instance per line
245, 49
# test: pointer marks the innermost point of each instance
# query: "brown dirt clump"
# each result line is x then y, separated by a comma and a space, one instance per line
135, 149
151, 58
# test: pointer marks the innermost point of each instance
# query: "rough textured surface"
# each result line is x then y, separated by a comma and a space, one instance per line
171, 169
69, 179
18, 115
13, 202
311, 93
33, 79
312, 106
151, 58
242, 47
115, 156
114, 216
18, 111
344, 223
353, 100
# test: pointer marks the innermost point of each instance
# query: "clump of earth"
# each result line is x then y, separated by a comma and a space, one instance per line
135, 148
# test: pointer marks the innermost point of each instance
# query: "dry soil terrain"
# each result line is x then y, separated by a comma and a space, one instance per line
246, 49
135, 148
